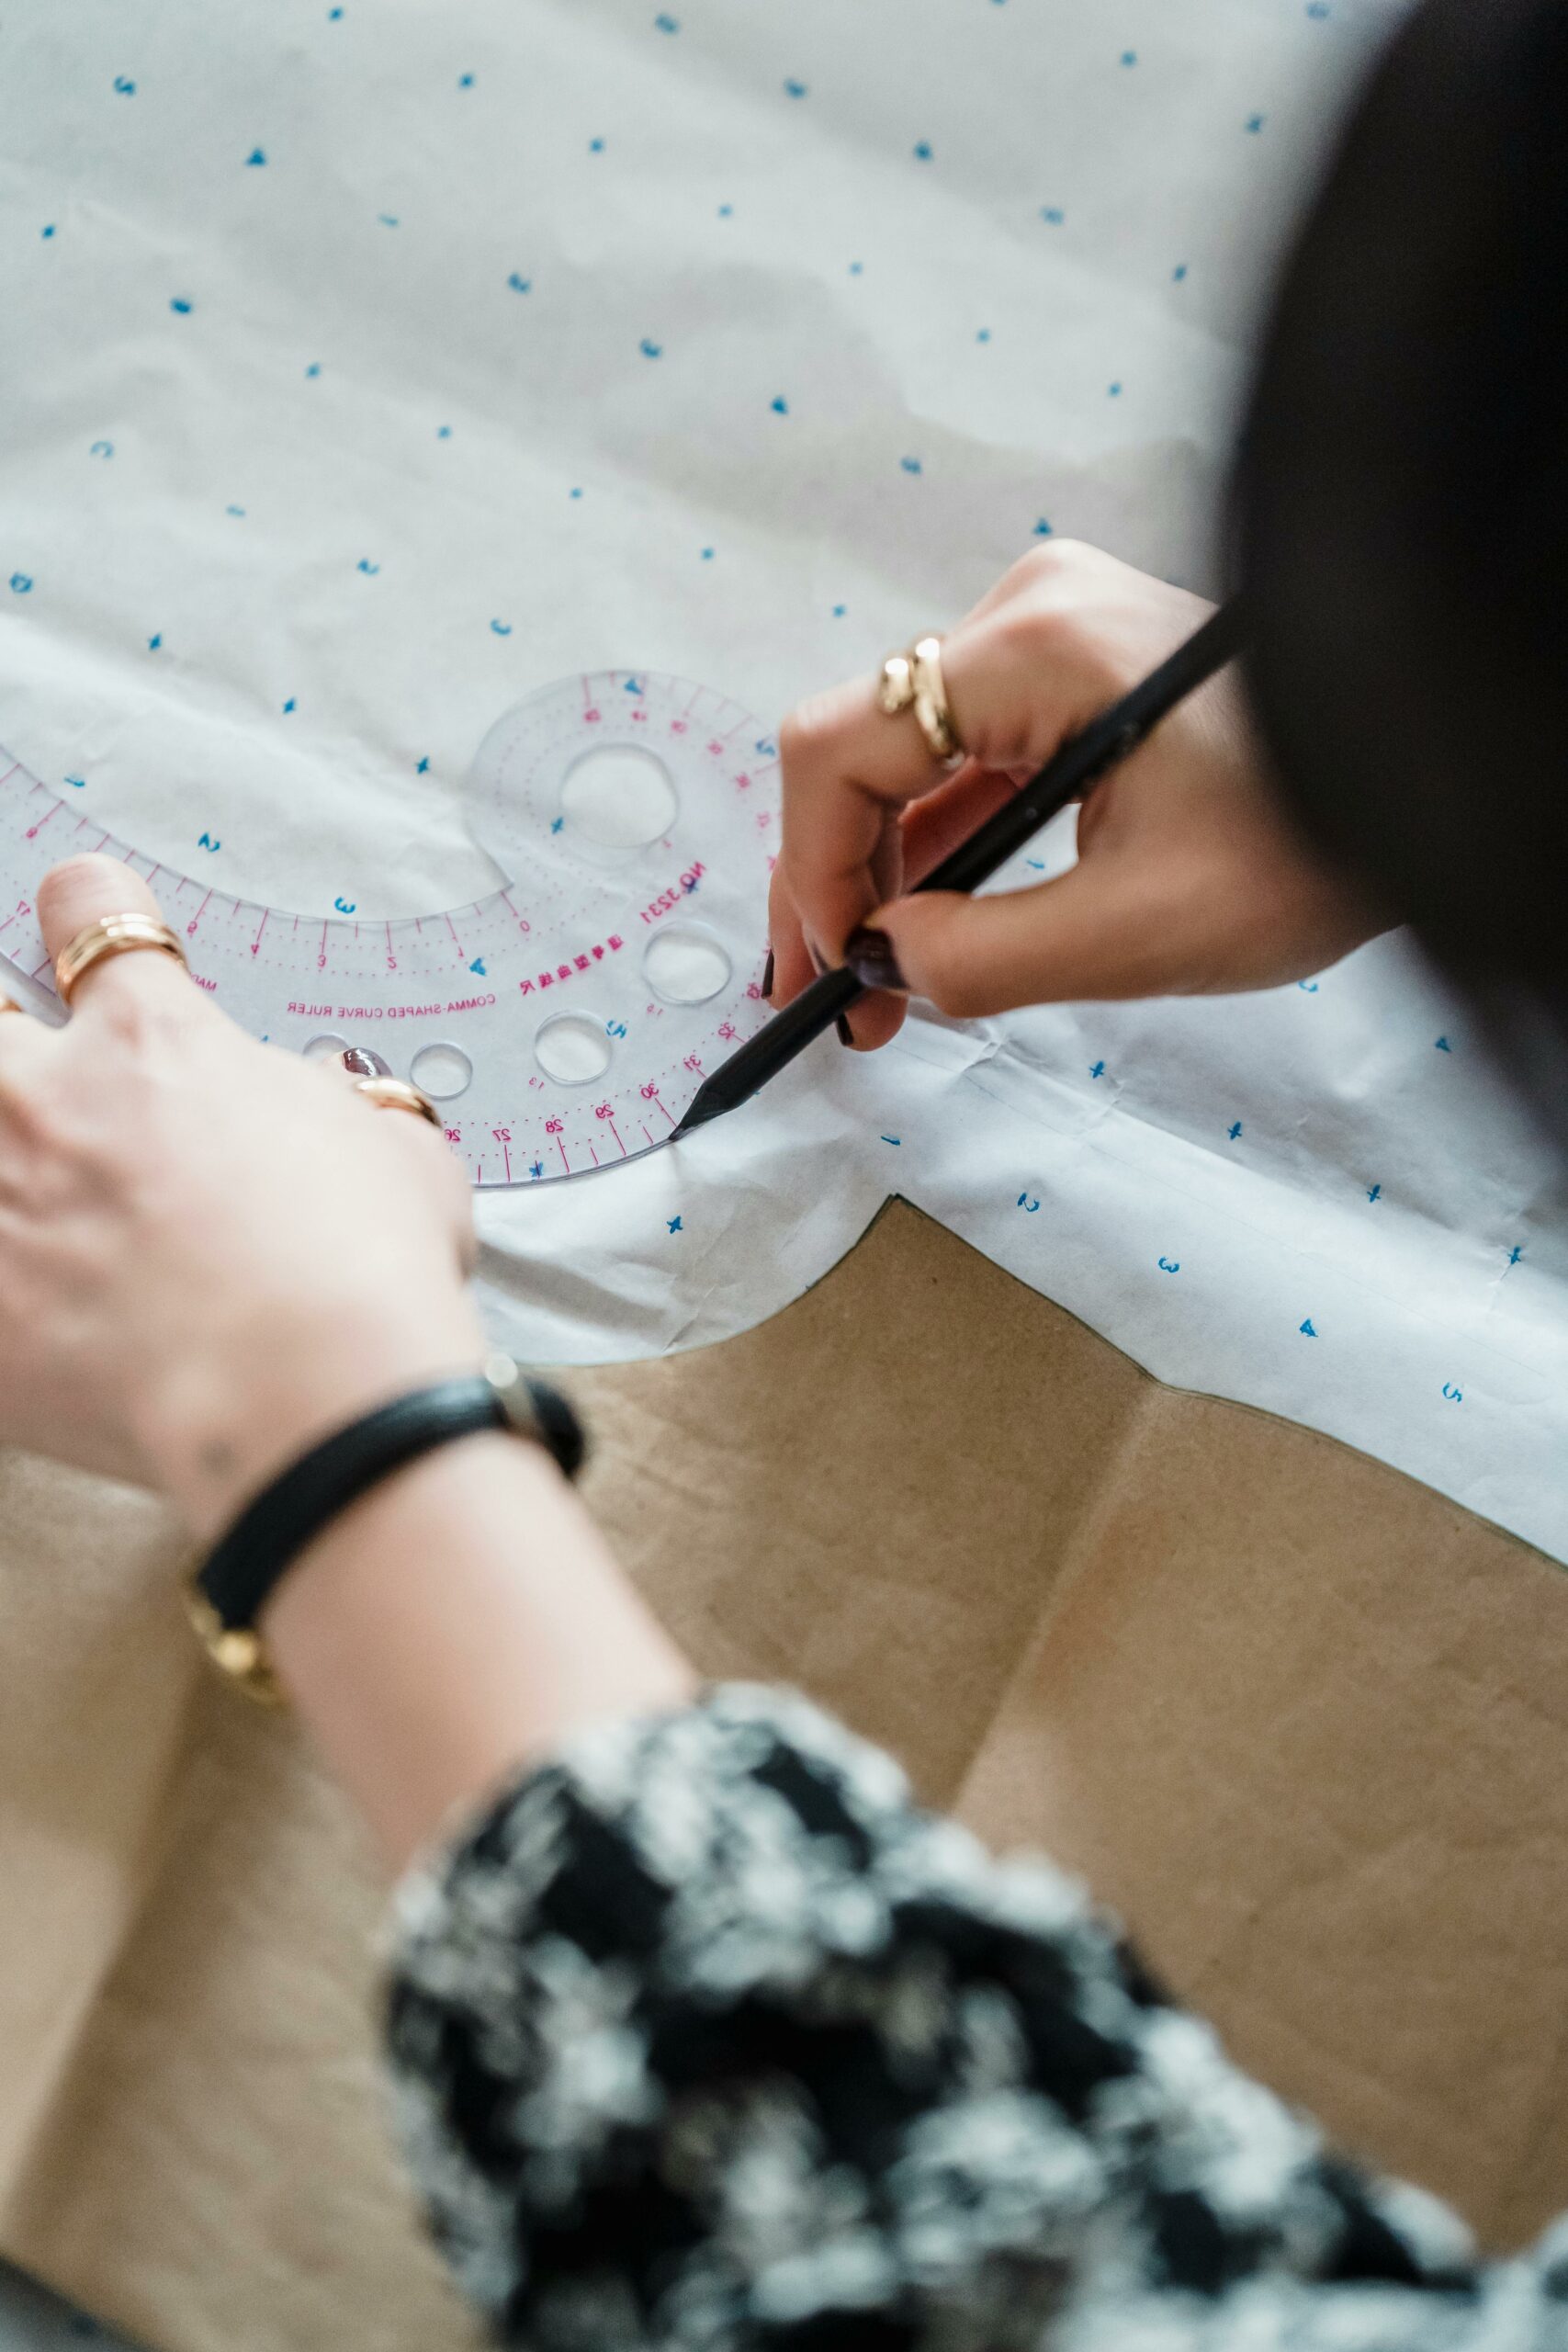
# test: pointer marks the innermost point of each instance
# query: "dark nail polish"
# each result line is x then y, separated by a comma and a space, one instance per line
768, 975
869, 954
360, 1062
846, 1034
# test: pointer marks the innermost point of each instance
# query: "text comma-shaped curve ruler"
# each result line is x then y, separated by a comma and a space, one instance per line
562, 1024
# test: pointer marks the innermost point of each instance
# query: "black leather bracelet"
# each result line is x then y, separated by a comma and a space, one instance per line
229, 1591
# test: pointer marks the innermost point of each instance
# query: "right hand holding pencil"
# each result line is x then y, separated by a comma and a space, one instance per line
1190, 879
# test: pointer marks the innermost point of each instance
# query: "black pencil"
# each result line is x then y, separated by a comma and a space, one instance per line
1081, 761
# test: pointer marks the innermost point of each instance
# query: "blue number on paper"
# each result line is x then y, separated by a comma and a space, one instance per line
897, 1140
479, 966
1236, 1131
1455, 1396
1170, 1265
615, 1028
1376, 1194
207, 841
1097, 1069
1026, 1205
675, 1224
1307, 1331
346, 906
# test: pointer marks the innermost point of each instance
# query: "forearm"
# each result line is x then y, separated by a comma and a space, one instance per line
460, 1621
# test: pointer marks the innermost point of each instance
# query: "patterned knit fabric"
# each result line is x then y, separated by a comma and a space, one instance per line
706, 2037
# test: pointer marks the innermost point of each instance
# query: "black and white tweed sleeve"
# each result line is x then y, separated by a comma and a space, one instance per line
706, 2037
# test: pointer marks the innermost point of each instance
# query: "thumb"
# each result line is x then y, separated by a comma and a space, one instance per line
1093, 934
81, 891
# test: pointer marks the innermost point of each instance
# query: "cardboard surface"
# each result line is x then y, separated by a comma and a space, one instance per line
1304, 1723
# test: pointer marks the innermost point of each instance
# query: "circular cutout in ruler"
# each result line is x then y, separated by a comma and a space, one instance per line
563, 1024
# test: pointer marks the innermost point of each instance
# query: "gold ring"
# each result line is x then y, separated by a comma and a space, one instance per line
896, 691
913, 681
396, 1094
112, 935
933, 713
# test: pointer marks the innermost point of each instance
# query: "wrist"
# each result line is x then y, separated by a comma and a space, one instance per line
216, 1426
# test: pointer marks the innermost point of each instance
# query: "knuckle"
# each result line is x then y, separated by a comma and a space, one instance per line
809, 726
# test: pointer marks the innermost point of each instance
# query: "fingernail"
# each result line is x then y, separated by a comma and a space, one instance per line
360, 1062
816, 961
846, 1034
870, 957
768, 975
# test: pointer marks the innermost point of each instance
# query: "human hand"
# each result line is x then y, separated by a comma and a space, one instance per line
1191, 880
212, 1251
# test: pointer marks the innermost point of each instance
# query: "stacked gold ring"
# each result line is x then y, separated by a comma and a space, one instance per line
913, 681
396, 1094
112, 935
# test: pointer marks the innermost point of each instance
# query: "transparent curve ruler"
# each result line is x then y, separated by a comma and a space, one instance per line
561, 1025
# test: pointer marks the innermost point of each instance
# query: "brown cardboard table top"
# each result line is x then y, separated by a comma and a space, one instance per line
1303, 1722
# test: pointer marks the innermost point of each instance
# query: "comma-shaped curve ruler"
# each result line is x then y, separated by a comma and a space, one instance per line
562, 1024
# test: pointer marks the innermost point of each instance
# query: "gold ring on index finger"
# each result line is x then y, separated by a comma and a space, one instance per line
396, 1094
913, 681
125, 934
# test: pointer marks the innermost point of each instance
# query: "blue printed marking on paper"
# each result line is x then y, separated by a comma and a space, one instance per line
1234, 1132
1097, 1069
346, 906
675, 1224
1170, 1265
1455, 1396
22, 583
207, 841
1026, 1204
1307, 1329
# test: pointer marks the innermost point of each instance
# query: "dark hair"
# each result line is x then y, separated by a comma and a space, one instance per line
1401, 508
